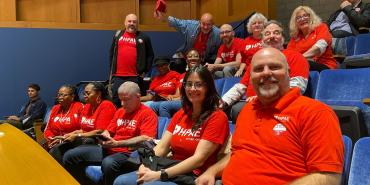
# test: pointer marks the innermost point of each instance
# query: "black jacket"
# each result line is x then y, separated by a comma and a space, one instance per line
37, 110
356, 20
144, 52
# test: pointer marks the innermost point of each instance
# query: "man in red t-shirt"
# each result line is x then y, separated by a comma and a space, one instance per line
281, 137
229, 54
132, 124
131, 56
272, 36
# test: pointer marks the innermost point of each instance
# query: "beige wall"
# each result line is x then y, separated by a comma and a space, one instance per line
109, 14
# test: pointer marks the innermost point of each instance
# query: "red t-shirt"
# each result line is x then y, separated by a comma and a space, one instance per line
229, 54
280, 143
251, 46
124, 125
302, 44
166, 84
298, 68
184, 141
63, 123
126, 57
99, 119
200, 43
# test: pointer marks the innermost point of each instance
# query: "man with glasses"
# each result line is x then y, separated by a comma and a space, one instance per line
272, 36
229, 54
34, 109
131, 56
201, 35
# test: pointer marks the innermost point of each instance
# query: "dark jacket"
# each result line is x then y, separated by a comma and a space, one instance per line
37, 111
356, 20
144, 52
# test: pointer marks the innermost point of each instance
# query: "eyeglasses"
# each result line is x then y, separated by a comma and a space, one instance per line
196, 85
225, 32
302, 17
63, 95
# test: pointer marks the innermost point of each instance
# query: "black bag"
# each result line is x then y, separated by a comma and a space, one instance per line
155, 163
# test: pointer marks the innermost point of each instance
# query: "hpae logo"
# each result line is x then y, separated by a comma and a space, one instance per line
186, 132
87, 121
279, 129
126, 123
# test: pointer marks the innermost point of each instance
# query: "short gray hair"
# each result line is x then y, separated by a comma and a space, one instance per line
129, 87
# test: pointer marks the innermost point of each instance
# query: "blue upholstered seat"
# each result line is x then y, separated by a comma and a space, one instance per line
347, 158
229, 82
360, 165
361, 54
219, 83
312, 84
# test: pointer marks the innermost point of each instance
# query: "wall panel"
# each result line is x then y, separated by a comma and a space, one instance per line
7, 10
47, 10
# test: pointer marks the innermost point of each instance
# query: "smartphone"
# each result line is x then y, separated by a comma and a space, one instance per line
101, 137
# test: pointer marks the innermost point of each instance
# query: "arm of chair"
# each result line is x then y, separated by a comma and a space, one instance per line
37, 124
366, 101
339, 58
364, 30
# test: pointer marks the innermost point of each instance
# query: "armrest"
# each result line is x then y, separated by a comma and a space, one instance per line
339, 58
37, 125
366, 101
364, 30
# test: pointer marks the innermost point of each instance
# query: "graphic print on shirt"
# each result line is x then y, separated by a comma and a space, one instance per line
127, 123
127, 40
187, 133
87, 121
252, 46
279, 128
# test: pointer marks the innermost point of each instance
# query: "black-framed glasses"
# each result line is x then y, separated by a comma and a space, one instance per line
225, 32
196, 85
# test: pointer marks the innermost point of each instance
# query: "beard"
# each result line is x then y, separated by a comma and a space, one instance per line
268, 90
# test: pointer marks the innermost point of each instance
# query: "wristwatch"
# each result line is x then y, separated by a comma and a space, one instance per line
164, 175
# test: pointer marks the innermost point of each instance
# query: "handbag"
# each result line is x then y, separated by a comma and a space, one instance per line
155, 163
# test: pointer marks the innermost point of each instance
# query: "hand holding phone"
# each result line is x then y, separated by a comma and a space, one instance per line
102, 137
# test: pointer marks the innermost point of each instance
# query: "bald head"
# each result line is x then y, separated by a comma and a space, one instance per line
269, 74
131, 23
206, 23
129, 94
226, 34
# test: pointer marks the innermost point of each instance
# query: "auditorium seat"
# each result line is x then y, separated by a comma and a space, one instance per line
229, 82
313, 79
347, 87
219, 83
347, 158
361, 54
360, 165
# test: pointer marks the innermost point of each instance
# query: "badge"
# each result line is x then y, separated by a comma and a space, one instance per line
140, 41
357, 9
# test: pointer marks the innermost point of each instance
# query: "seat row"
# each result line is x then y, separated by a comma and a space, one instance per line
356, 50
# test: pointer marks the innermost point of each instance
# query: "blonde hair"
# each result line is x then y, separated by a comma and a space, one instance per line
255, 17
315, 20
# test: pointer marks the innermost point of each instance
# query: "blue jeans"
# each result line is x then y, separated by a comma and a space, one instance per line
166, 108
77, 159
131, 178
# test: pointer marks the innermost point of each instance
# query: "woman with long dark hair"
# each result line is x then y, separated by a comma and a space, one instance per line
194, 136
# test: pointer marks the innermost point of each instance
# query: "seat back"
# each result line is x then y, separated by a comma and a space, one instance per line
229, 82
350, 45
347, 158
219, 83
313, 79
161, 126
360, 165
343, 85
362, 44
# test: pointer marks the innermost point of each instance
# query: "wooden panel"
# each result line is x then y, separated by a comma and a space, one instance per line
7, 10
177, 8
107, 11
47, 10
23, 161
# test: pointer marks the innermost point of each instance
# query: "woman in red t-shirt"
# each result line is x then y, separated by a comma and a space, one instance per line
253, 42
312, 38
165, 85
194, 136
94, 118
97, 113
